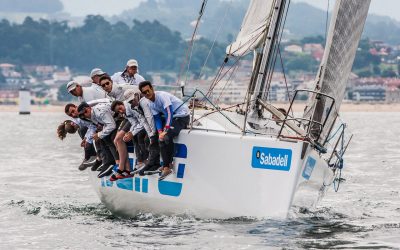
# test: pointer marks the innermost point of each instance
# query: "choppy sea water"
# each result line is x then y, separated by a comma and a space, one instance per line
46, 203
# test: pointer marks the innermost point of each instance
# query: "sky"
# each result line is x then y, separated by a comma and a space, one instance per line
103, 7
379, 7
106, 7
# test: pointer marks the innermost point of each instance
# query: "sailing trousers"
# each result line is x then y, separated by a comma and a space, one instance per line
139, 143
154, 153
89, 149
167, 146
107, 144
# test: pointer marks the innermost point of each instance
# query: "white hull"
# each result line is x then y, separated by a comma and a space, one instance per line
219, 173
220, 176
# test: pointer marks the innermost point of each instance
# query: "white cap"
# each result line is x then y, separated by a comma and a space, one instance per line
71, 85
96, 72
132, 62
129, 94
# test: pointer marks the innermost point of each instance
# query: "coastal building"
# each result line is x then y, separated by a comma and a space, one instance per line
279, 91
8, 97
7, 69
294, 48
375, 89
393, 95
315, 50
229, 92
62, 76
369, 93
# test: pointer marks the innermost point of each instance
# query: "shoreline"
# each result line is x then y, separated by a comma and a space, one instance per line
345, 107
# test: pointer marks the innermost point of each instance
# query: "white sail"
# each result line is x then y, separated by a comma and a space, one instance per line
345, 30
253, 28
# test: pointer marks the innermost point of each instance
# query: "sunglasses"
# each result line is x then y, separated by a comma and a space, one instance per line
145, 92
105, 84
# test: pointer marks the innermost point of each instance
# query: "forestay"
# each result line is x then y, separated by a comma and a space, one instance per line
253, 28
345, 30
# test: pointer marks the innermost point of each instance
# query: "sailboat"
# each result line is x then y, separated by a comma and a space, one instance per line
229, 163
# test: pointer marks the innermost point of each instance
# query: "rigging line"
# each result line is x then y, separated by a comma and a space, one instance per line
216, 110
284, 76
189, 49
251, 41
228, 82
194, 36
216, 80
216, 76
268, 70
247, 97
223, 75
215, 39
214, 106
280, 57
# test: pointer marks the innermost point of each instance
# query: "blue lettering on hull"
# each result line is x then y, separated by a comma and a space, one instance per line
141, 184
170, 188
126, 184
271, 158
310, 164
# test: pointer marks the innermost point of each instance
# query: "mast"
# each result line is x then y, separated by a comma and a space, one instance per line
264, 61
259, 34
260, 83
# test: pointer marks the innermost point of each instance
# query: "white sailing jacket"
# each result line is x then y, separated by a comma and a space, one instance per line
102, 115
91, 93
91, 128
97, 101
95, 86
117, 91
140, 118
123, 79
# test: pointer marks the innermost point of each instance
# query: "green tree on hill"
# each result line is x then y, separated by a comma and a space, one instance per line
2, 79
365, 64
98, 43
313, 39
389, 72
300, 62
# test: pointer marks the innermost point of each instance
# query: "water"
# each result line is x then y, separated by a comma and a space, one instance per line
46, 203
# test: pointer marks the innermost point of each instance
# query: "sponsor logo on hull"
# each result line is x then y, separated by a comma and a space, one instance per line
271, 158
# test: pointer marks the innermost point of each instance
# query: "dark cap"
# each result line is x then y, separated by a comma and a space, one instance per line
82, 106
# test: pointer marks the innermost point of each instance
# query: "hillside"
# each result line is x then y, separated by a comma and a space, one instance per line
303, 19
102, 44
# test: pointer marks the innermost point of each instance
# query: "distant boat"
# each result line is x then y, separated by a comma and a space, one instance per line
255, 161
24, 101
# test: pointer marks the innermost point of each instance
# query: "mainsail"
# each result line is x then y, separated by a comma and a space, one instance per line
345, 30
253, 28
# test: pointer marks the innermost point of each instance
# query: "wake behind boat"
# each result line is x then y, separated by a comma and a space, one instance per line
257, 160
